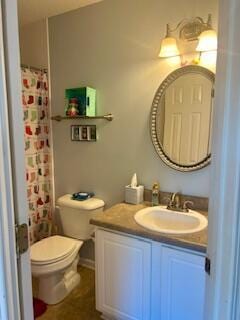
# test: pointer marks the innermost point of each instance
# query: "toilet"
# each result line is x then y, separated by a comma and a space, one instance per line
54, 260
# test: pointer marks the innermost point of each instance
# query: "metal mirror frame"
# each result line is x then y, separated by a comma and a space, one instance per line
156, 104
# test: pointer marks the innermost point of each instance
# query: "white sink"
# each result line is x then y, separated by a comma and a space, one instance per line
162, 220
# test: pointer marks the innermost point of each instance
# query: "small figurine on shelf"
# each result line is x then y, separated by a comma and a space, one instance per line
72, 108
84, 97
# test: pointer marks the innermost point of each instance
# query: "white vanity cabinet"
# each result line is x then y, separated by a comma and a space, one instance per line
138, 279
123, 276
182, 285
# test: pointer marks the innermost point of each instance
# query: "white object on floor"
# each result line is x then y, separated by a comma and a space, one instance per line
54, 260
141, 279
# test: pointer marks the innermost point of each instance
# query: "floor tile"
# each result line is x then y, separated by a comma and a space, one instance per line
79, 305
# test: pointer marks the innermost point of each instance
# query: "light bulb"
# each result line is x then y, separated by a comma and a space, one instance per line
207, 41
168, 48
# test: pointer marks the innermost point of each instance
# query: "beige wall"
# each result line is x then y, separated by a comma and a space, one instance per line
33, 44
113, 46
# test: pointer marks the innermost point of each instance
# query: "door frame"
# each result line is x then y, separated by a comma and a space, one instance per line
223, 284
9, 297
19, 298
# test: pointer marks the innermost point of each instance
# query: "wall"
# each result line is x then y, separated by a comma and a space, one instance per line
113, 46
33, 44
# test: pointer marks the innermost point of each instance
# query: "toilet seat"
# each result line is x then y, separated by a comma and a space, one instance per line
54, 261
46, 260
52, 249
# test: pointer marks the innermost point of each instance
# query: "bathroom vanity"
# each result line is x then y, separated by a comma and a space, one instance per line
142, 274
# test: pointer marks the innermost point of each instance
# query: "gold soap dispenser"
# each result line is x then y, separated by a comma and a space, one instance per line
155, 194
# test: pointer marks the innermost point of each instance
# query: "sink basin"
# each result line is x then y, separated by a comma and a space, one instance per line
162, 220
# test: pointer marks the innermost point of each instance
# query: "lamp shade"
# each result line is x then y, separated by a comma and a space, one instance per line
169, 48
207, 41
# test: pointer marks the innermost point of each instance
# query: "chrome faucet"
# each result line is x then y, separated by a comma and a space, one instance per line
175, 203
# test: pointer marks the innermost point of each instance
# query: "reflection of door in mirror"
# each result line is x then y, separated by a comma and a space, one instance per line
188, 108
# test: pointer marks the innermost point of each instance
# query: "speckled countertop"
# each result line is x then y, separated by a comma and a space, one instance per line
120, 218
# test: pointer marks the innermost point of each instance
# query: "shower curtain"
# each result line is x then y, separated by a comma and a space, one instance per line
37, 152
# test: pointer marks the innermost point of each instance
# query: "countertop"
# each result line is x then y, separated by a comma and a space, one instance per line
120, 218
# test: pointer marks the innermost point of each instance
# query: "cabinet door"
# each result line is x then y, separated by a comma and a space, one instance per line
182, 285
123, 276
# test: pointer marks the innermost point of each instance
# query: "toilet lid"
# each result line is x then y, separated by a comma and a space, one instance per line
52, 249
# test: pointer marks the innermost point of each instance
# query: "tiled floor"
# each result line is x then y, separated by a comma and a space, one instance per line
79, 305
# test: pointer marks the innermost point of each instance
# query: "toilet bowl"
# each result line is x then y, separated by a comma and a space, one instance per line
54, 260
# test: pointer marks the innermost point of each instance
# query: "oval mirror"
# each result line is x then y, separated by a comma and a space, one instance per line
181, 118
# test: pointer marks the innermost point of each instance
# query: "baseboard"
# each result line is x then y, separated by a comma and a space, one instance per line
87, 263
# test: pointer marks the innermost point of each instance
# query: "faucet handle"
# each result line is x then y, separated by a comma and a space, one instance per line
185, 205
167, 201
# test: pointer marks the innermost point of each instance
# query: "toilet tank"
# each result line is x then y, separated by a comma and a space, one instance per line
75, 216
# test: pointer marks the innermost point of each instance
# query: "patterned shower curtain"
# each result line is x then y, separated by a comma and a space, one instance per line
37, 152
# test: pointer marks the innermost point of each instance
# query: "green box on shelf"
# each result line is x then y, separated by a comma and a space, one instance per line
86, 98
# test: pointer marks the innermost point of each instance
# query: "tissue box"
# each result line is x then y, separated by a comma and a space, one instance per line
134, 195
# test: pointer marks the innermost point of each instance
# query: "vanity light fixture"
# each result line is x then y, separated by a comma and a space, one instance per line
207, 40
189, 30
169, 46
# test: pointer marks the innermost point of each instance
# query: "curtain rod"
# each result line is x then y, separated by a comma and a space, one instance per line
33, 68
